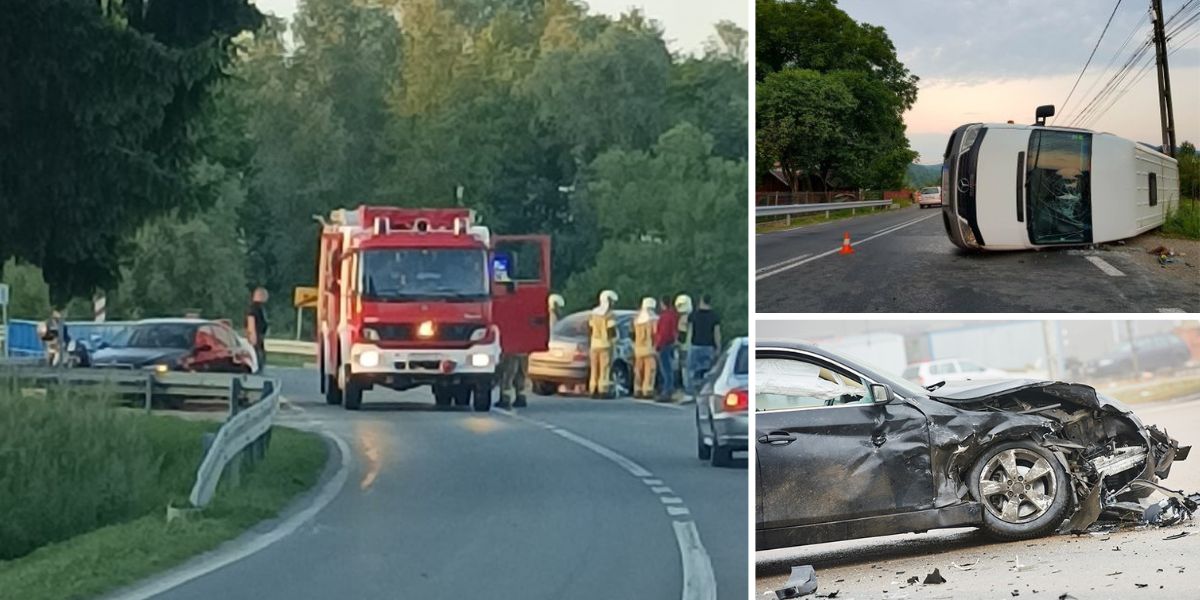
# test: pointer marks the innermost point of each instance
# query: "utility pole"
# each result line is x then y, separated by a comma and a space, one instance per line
1166, 110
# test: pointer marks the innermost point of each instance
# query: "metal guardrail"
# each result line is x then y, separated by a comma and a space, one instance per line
291, 347
245, 433
796, 209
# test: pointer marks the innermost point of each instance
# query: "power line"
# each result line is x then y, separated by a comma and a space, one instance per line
1144, 20
1089, 60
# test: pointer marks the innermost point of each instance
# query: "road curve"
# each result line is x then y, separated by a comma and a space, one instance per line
526, 506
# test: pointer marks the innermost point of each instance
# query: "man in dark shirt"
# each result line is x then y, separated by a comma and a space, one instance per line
256, 325
706, 338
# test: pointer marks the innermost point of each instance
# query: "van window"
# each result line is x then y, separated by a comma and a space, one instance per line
1058, 181
1153, 189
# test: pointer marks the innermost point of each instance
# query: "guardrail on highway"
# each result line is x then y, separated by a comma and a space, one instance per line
246, 433
796, 209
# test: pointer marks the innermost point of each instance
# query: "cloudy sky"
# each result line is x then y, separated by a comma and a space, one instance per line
996, 60
686, 24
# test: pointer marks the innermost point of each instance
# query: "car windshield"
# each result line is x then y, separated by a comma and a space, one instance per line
158, 335
930, 190
413, 274
572, 326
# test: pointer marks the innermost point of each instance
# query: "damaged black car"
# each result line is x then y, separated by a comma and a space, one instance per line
845, 451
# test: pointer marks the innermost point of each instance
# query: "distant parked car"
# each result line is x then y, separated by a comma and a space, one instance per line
722, 416
930, 196
1156, 352
565, 361
950, 370
176, 345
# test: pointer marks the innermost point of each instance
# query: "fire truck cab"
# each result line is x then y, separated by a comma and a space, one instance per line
413, 297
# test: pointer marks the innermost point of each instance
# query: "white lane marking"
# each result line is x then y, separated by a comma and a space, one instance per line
783, 263
699, 582
182, 575
660, 489
761, 276
897, 226
1169, 310
1103, 265
670, 405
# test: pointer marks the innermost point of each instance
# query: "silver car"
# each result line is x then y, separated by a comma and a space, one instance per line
722, 415
565, 361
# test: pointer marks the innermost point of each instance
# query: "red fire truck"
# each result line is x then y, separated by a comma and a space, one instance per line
412, 297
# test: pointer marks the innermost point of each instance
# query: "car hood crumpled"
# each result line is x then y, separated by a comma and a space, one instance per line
1076, 393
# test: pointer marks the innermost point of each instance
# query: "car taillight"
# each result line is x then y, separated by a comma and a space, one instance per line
737, 400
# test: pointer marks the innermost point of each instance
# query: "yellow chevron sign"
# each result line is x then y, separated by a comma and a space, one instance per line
305, 297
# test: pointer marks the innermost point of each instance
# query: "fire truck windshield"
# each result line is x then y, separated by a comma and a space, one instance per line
423, 273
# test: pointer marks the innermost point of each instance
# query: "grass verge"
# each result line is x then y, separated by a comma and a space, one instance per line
1155, 391
1184, 222
123, 552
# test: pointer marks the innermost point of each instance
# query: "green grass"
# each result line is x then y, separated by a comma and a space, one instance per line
84, 490
289, 360
1184, 222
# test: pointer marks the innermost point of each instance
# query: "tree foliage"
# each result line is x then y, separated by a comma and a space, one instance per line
831, 97
95, 114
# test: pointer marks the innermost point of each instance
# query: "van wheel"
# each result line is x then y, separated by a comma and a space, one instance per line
1023, 488
333, 395
482, 395
622, 379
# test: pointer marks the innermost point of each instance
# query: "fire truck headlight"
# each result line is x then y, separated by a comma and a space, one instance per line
480, 360
369, 359
425, 329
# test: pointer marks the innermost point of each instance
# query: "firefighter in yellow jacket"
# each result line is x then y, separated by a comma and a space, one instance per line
645, 357
555, 303
602, 324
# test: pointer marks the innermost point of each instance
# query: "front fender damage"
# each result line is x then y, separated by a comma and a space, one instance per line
1112, 459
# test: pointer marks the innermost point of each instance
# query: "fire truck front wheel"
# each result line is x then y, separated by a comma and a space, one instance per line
482, 395
352, 395
442, 396
333, 394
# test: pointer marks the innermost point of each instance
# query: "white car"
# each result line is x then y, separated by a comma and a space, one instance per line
930, 196
950, 370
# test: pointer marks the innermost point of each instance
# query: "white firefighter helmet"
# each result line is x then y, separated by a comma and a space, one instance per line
683, 303
555, 301
648, 306
607, 299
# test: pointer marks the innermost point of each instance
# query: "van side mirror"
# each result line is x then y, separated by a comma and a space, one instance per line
1043, 112
881, 393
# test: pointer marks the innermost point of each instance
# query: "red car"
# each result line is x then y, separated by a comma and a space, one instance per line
176, 345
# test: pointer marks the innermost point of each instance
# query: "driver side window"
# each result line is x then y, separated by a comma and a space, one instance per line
785, 384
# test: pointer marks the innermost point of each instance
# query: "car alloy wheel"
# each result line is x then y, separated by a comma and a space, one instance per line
1017, 485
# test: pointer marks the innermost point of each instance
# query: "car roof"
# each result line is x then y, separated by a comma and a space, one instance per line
174, 321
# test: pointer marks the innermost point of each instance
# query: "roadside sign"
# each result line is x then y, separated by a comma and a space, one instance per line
305, 297
3, 294
3, 320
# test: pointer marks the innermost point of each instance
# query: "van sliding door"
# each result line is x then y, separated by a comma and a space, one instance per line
1058, 189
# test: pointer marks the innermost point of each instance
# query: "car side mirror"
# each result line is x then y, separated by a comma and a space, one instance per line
881, 393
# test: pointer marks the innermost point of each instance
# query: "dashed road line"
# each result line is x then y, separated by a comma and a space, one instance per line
670, 405
793, 263
699, 581
1103, 265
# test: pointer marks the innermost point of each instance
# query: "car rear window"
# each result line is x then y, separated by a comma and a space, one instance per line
741, 365
930, 190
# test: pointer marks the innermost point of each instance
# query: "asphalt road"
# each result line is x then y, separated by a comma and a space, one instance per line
1089, 567
541, 505
903, 262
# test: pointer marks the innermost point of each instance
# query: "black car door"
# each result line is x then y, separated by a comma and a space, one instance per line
826, 451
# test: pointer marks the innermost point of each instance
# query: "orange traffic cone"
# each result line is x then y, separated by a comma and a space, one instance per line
846, 247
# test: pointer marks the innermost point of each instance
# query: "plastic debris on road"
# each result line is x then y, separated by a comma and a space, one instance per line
802, 582
934, 577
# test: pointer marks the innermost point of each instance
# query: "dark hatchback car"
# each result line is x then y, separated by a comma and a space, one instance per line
175, 345
1165, 351
845, 451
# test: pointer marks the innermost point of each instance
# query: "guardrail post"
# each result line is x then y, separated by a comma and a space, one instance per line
149, 391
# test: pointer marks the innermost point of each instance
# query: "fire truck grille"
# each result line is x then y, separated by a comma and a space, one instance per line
444, 332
